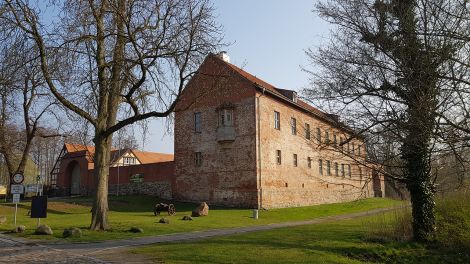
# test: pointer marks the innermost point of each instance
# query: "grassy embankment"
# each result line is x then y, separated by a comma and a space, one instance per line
127, 212
383, 238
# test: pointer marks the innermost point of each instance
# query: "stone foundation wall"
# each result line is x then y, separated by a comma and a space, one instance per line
159, 189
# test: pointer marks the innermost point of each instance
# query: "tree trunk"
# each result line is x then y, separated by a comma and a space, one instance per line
416, 154
99, 218
422, 201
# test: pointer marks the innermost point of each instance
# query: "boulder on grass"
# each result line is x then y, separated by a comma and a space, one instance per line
164, 221
187, 218
44, 230
3, 219
72, 232
19, 229
135, 229
201, 210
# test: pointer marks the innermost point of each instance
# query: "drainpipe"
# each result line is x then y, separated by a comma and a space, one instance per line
258, 120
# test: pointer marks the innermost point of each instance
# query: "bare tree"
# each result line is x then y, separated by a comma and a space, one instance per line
22, 101
390, 64
121, 61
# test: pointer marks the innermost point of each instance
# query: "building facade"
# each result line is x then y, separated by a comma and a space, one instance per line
239, 141
131, 172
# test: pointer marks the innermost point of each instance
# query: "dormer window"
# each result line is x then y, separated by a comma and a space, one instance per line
226, 117
294, 97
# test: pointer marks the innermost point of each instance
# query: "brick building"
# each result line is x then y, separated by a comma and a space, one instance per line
240, 141
131, 172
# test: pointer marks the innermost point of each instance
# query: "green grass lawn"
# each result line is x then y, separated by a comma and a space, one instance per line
335, 242
129, 211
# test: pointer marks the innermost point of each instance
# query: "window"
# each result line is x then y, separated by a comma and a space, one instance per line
349, 171
307, 131
277, 120
360, 173
319, 136
327, 138
295, 160
278, 157
328, 168
293, 123
320, 167
335, 141
352, 148
198, 159
226, 117
336, 169
309, 162
348, 149
197, 122
359, 150
129, 160
342, 170
341, 143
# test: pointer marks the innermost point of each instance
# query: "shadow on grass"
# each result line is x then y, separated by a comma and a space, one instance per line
27, 207
138, 204
345, 241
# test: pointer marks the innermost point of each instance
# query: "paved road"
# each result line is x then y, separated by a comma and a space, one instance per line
22, 251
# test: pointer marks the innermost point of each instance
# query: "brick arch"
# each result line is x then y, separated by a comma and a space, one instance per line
74, 176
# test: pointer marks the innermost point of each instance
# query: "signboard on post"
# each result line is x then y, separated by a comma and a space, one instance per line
39, 207
18, 178
17, 189
16, 198
137, 178
34, 188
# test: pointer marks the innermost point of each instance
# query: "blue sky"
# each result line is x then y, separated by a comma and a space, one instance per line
269, 39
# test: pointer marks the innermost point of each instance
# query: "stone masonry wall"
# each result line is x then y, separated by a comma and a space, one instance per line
158, 189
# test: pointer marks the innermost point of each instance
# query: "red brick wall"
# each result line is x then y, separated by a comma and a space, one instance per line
288, 185
66, 166
153, 173
228, 172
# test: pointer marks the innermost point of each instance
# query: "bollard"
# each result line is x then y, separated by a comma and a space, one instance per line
255, 213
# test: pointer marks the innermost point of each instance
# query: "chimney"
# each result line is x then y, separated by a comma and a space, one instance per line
334, 117
224, 56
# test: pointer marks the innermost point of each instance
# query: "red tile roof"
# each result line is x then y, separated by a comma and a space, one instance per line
258, 83
152, 157
143, 156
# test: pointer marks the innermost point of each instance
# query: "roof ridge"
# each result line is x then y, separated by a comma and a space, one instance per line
244, 74
259, 83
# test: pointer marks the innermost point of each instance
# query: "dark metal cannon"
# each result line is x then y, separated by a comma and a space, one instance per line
163, 207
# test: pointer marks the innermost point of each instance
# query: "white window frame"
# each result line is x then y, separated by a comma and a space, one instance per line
277, 120
320, 167
307, 131
226, 117
293, 124
328, 168
278, 157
